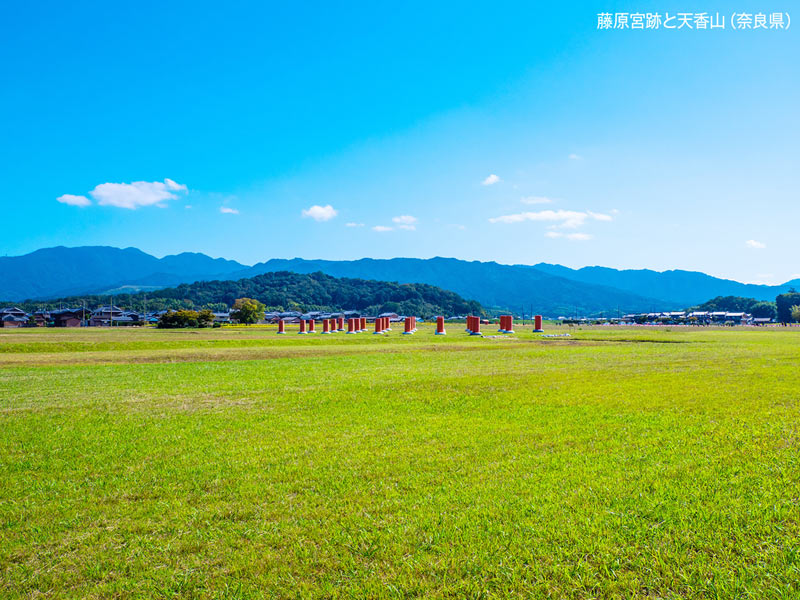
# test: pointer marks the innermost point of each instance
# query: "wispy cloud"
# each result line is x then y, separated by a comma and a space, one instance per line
129, 195
353, 224
755, 244
405, 222
227, 210
569, 219
381, 228
73, 200
575, 237
491, 180
320, 213
574, 156
536, 200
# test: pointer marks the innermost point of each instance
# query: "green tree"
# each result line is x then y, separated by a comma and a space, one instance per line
247, 310
763, 310
205, 318
217, 307
795, 312
784, 304
176, 319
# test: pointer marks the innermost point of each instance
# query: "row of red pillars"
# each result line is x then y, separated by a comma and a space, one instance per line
410, 325
474, 325
382, 324
506, 324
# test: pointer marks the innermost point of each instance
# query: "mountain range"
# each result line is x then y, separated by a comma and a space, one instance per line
546, 288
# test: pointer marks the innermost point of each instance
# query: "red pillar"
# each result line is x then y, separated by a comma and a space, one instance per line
537, 323
351, 325
476, 326
281, 326
407, 326
341, 323
302, 326
363, 323
440, 326
311, 326
326, 326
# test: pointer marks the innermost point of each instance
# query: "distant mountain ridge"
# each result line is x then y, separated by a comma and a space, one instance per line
492, 284
62, 271
550, 289
686, 288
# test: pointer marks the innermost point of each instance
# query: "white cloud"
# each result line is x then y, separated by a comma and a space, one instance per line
755, 244
575, 157
227, 210
320, 213
569, 219
381, 228
599, 216
536, 200
74, 200
405, 222
491, 180
353, 224
137, 194
575, 237
457, 226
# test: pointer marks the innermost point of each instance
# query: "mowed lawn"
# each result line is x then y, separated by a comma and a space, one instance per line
235, 463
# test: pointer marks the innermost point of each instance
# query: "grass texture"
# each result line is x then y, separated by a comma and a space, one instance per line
236, 463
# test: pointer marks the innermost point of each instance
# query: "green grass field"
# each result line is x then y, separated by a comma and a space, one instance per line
235, 463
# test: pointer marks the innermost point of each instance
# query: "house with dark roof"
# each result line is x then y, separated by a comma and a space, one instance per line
13, 317
68, 317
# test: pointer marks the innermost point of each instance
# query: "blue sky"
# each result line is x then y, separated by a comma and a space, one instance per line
319, 130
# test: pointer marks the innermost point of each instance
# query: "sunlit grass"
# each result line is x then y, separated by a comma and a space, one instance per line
238, 463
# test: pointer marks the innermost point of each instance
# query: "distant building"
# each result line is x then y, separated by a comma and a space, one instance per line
106, 316
68, 317
13, 317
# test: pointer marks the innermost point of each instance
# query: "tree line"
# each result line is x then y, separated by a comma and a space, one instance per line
785, 309
285, 291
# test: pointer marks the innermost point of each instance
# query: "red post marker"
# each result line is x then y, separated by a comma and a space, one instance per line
440, 326
408, 326
537, 323
311, 326
326, 326
363, 323
476, 326
281, 326
378, 325
302, 326
341, 323
351, 325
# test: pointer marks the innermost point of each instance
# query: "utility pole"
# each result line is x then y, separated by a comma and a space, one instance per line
523, 316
